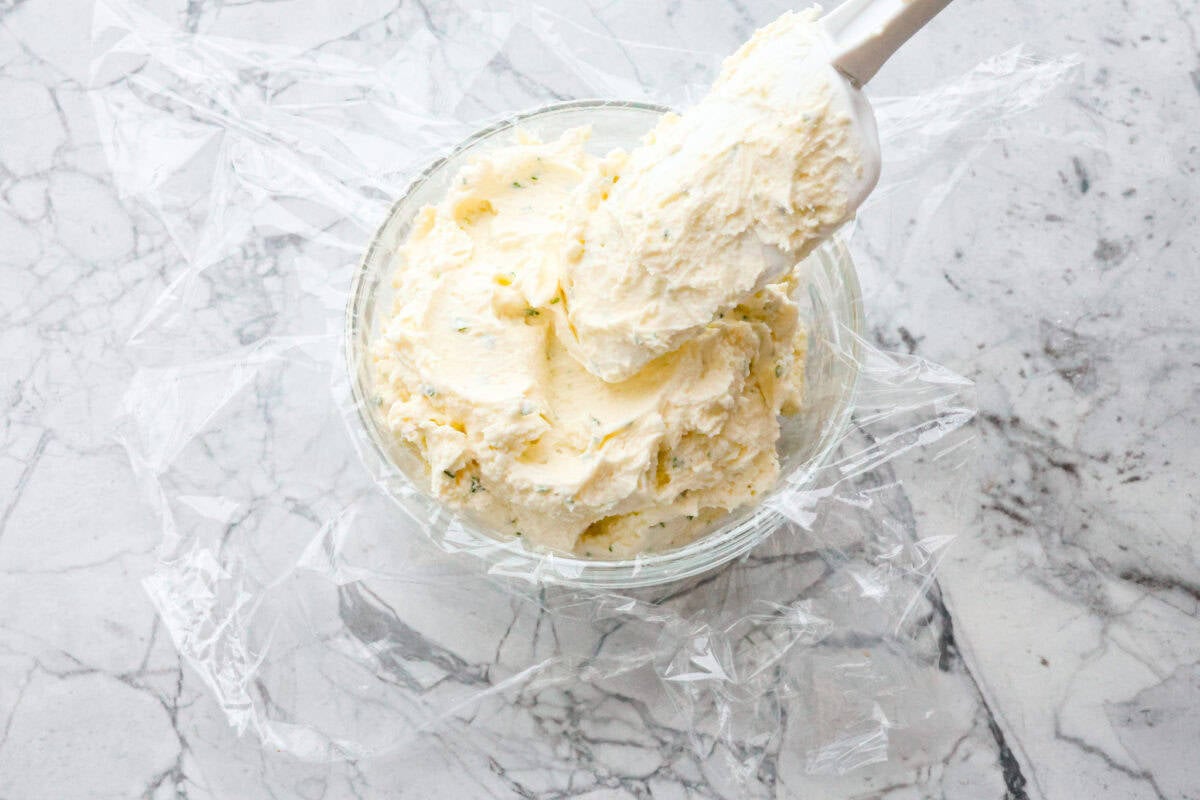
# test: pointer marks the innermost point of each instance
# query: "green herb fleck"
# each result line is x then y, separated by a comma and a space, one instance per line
676, 463
594, 420
377, 400
745, 317
541, 489
476, 486
661, 525
533, 178
449, 474
517, 533
779, 370
555, 300
610, 548
517, 185
691, 516
532, 312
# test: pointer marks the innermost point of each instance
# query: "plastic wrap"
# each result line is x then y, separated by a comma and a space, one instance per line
334, 623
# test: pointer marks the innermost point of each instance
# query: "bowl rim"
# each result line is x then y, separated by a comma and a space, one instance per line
746, 530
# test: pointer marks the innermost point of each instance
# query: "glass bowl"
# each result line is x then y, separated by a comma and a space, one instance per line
831, 308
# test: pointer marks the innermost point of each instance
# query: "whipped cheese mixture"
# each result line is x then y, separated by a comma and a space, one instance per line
593, 353
715, 204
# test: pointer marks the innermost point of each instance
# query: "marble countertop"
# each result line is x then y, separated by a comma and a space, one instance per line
1061, 279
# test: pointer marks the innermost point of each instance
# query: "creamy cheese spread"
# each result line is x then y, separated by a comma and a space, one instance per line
593, 353
715, 203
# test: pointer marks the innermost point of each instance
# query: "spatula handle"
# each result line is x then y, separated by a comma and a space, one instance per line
866, 32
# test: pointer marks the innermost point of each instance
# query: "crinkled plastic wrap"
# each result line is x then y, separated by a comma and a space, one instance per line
335, 622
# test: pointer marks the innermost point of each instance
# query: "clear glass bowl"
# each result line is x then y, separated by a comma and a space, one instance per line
831, 307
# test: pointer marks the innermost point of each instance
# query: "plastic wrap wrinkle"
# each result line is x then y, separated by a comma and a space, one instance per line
333, 623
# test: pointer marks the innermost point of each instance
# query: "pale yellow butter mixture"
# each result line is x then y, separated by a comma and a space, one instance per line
593, 353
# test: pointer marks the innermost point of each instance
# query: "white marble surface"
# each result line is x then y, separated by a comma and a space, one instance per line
1060, 277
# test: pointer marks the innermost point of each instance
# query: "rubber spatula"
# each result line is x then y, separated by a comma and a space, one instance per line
863, 34
854, 41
